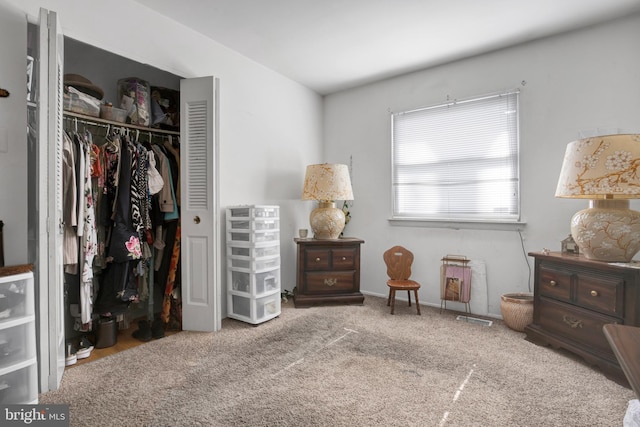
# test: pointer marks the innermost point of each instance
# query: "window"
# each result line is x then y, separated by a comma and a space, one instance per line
458, 161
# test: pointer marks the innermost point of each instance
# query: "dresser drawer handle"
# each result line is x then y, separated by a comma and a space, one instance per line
330, 282
552, 283
572, 321
318, 259
344, 258
594, 293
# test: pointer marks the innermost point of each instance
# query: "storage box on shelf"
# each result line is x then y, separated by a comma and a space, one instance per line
253, 263
18, 360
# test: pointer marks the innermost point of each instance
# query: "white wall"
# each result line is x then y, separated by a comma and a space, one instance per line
13, 139
270, 126
580, 81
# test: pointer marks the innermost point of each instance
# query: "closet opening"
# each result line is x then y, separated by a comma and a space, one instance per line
122, 235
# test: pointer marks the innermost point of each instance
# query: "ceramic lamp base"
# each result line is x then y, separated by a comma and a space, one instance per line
607, 231
327, 221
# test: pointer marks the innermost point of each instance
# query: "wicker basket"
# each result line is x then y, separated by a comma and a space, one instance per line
517, 310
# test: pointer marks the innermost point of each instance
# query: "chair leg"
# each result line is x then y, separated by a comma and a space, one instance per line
417, 302
389, 297
409, 297
392, 297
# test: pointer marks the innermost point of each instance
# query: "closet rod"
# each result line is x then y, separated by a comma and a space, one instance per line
95, 121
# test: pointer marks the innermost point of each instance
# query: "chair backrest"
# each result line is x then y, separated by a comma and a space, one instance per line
398, 260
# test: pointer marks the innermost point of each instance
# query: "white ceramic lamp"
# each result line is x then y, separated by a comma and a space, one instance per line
327, 183
606, 170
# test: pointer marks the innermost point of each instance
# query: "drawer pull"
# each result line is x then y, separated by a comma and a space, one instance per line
572, 321
318, 259
344, 258
552, 283
594, 293
330, 282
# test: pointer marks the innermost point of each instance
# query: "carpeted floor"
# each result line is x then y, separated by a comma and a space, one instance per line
343, 366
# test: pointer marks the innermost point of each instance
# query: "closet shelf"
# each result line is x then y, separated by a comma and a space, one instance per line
96, 120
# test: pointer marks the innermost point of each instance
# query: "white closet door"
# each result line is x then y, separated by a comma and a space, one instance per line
199, 205
51, 281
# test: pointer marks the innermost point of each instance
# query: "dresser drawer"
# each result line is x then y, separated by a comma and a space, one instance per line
555, 283
344, 258
329, 282
601, 293
317, 259
575, 324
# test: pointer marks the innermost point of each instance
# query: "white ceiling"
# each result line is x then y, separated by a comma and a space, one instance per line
330, 45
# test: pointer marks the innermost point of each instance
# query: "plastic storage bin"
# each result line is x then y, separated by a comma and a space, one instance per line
253, 263
18, 358
254, 283
135, 98
82, 103
263, 249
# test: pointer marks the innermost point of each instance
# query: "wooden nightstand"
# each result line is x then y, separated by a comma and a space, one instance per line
328, 272
574, 297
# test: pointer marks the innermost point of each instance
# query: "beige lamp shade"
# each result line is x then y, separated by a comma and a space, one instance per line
606, 170
603, 167
327, 182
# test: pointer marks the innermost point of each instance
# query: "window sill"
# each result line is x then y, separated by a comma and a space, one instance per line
458, 225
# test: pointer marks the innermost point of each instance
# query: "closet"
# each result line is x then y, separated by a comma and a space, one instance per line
61, 314
121, 217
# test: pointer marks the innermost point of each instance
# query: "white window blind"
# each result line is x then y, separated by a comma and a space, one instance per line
458, 161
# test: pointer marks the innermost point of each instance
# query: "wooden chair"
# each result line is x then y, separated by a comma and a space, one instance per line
399, 260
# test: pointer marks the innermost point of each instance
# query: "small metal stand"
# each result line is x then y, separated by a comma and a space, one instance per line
455, 281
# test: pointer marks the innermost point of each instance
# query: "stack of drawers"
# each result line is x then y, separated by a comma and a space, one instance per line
574, 298
18, 360
328, 272
253, 263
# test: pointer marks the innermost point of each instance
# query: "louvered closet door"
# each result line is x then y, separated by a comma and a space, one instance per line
51, 283
198, 205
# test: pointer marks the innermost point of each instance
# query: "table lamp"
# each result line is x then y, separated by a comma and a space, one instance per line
327, 183
605, 169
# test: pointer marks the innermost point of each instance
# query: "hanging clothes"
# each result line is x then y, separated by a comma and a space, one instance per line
69, 209
114, 222
89, 235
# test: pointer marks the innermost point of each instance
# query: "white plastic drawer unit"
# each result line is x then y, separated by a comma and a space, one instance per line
255, 225
254, 211
255, 283
254, 310
16, 296
253, 237
258, 250
18, 358
254, 264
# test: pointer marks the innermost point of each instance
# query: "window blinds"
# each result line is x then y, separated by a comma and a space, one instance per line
458, 161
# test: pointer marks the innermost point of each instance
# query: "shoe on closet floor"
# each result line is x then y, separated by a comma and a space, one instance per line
84, 349
144, 331
157, 329
71, 358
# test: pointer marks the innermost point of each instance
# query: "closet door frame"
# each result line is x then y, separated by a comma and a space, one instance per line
201, 276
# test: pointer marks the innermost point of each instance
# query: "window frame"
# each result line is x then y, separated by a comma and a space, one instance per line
477, 219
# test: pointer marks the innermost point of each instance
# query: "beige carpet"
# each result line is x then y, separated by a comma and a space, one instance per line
343, 366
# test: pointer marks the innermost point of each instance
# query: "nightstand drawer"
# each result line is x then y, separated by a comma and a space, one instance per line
575, 324
601, 293
555, 283
344, 258
329, 282
317, 259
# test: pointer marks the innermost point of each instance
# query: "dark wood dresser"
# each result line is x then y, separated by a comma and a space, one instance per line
574, 298
328, 272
